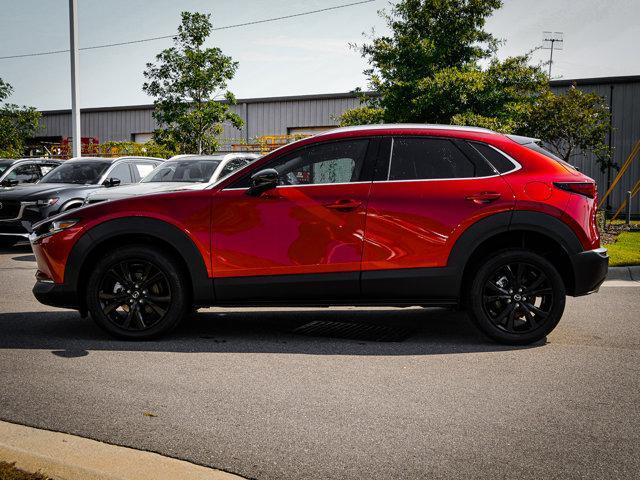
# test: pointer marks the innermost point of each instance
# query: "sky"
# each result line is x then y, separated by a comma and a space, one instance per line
304, 55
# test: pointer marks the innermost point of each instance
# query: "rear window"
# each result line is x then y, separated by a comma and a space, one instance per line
501, 163
537, 148
532, 144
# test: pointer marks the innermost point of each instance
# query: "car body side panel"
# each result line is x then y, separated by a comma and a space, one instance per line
414, 224
288, 230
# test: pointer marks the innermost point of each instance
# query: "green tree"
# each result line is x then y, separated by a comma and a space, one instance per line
17, 124
572, 123
429, 69
187, 82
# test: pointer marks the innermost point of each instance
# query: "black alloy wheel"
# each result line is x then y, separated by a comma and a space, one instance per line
516, 297
137, 292
134, 294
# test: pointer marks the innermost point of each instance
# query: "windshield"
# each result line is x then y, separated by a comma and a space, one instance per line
3, 168
82, 173
188, 171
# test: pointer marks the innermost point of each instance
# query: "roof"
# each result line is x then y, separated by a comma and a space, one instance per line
406, 126
11, 161
114, 159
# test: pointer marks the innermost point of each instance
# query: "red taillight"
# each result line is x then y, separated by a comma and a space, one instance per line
588, 189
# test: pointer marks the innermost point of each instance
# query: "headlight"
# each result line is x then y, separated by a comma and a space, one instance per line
47, 202
47, 228
59, 225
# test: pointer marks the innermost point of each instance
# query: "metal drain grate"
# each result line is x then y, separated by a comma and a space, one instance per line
354, 331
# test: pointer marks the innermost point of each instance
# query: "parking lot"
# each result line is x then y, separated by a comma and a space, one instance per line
268, 394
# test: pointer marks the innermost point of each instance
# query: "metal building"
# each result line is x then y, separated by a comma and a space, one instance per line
313, 113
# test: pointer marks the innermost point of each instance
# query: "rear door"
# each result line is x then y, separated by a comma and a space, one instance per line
426, 192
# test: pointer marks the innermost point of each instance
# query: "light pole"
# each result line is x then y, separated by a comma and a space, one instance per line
75, 84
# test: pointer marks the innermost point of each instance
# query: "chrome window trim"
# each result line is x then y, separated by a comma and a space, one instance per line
516, 164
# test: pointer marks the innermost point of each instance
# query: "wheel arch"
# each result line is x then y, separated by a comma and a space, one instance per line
539, 232
74, 203
138, 230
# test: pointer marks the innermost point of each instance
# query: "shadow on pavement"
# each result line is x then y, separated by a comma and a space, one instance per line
430, 331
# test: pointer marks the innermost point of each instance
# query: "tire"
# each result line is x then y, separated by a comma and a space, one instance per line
516, 297
137, 293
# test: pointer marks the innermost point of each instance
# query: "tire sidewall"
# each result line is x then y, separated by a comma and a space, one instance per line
475, 302
161, 260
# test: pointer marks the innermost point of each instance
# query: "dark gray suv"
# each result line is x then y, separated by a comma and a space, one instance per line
64, 188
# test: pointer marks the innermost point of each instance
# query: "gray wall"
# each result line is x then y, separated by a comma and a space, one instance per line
623, 94
275, 116
268, 116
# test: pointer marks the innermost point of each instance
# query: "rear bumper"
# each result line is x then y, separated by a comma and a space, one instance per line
589, 271
55, 295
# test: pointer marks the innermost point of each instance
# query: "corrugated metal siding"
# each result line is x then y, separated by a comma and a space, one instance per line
626, 132
277, 116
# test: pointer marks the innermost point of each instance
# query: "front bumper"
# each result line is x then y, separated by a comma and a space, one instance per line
55, 295
589, 271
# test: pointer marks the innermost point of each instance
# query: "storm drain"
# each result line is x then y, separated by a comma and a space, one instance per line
354, 331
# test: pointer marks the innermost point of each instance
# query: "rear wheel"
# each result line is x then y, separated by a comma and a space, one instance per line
516, 297
137, 292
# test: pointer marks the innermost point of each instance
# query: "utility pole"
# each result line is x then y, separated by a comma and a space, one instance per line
551, 41
75, 85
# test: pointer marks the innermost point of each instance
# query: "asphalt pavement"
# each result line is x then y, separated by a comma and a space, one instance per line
266, 394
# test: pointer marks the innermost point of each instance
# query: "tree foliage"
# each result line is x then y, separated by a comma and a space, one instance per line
438, 65
187, 81
572, 123
17, 124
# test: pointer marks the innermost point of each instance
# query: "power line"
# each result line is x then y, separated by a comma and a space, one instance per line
226, 27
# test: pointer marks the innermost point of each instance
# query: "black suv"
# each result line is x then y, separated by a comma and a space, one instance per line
24, 170
64, 188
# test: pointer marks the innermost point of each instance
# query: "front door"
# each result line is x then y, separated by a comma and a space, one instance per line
301, 240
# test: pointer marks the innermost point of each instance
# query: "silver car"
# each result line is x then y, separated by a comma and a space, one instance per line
182, 172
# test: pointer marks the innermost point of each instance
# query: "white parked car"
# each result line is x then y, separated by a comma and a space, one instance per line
182, 172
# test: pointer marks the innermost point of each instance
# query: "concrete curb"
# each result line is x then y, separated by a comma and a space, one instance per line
67, 457
624, 273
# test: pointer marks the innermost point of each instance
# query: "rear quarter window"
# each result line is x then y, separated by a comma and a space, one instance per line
501, 163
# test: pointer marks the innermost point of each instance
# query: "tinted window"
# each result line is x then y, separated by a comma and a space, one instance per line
28, 173
144, 169
190, 171
122, 173
336, 162
501, 163
74, 171
47, 167
232, 166
427, 158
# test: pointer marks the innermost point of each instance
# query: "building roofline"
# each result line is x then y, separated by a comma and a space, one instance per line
288, 98
329, 96
595, 81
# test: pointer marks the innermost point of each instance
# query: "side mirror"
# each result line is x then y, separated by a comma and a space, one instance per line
9, 183
263, 180
111, 182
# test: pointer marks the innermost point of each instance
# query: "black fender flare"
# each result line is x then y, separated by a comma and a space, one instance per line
526, 221
163, 231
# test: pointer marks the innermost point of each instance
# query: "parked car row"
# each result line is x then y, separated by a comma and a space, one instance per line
32, 190
395, 215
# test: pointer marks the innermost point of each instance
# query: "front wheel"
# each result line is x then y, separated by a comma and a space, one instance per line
137, 292
516, 297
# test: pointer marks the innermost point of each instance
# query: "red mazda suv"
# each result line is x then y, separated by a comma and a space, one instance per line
374, 215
